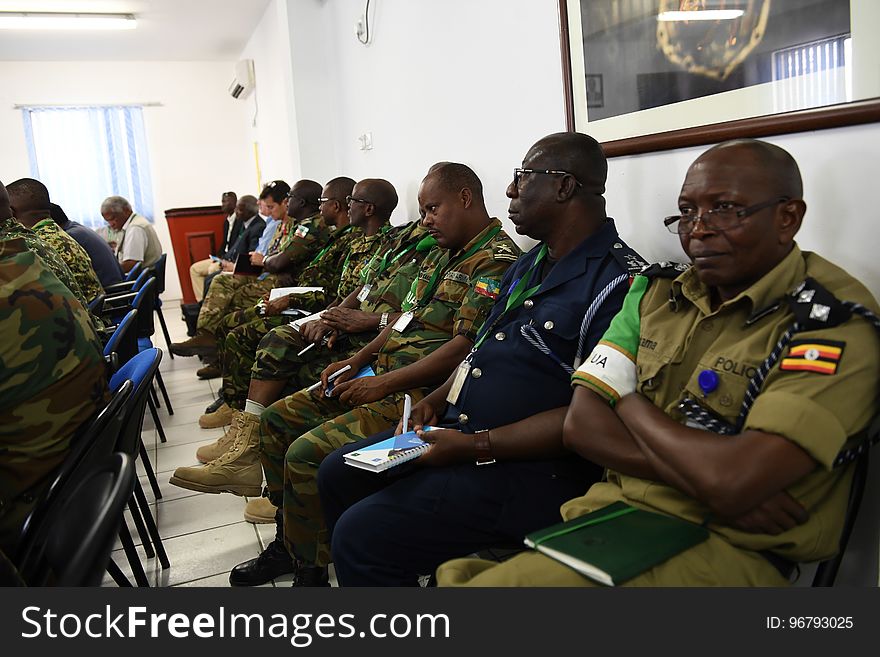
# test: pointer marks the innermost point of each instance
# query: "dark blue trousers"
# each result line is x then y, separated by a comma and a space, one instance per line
389, 528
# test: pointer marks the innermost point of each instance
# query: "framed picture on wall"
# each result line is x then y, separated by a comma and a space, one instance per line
650, 75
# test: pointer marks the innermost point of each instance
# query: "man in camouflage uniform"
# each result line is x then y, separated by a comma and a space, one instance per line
445, 307
52, 377
337, 266
30, 203
297, 239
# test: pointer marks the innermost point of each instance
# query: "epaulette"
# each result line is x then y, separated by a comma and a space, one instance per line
501, 251
627, 258
665, 269
814, 307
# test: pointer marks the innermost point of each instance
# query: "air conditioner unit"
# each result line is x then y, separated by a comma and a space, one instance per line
242, 79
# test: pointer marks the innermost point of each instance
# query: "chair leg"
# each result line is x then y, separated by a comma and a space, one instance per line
134, 560
151, 524
164, 330
164, 392
140, 528
153, 396
145, 460
117, 575
156, 421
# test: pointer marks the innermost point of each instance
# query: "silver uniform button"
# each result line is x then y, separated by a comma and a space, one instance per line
463, 419
528, 303
500, 335
476, 372
548, 325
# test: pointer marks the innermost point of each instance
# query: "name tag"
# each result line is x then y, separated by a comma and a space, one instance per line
402, 322
461, 374
365, 292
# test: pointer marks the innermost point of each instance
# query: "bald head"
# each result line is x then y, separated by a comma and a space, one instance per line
380, 193
454, 177
767, 161
308, 190
339, 188
574, 152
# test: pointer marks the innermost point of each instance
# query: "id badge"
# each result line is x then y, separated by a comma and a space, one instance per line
402, 322
461, 375
365, 292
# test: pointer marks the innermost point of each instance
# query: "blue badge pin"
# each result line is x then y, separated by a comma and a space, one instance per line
708, 381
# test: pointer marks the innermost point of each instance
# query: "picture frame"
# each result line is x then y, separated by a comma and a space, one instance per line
709, 119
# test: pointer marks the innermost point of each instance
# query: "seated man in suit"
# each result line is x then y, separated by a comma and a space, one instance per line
138, 241
245, 233
103, 259
751, 342
52, 377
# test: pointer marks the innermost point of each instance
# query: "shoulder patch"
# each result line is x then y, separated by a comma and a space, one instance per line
814, 307
627, 258
488, 287
302, 231
664, 269
457, 276
819, 356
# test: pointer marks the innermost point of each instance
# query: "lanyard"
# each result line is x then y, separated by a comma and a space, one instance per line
519, 292
438, 274
330, 243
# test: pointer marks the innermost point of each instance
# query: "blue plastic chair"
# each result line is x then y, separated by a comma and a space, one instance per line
140, 370
123, 341
134, 271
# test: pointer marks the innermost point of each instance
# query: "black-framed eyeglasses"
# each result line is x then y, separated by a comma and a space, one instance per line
719, 219
351, 199
326, 199
517, 174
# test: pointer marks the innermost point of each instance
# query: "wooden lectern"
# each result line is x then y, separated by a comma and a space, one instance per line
196, 233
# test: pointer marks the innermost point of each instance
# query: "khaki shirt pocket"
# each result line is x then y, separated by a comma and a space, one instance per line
733, 379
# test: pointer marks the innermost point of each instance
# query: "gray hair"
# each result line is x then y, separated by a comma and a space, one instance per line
115, 204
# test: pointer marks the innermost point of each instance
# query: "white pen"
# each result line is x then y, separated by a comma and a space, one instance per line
407, 411
308, 346
335, 374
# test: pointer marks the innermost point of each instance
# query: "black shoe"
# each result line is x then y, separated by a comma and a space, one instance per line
273, 562
215, 405
310, 575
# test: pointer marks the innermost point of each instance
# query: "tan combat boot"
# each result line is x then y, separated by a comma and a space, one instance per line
207, 453
219, 418
238, 471
260, 511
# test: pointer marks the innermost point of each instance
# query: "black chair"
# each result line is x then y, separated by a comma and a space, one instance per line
86, 521
96, 304
826, 573
91, 444
159, 269
140, 371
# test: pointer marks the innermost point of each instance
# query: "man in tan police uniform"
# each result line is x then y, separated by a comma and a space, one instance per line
768, 491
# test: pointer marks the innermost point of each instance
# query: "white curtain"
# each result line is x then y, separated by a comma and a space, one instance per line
85, 154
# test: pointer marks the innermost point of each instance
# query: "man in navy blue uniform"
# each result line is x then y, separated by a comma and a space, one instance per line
499, 469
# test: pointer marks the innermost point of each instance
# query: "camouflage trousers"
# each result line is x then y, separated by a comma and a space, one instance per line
296, 433
229, 293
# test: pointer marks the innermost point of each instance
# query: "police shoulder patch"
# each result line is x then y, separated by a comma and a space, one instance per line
819, 356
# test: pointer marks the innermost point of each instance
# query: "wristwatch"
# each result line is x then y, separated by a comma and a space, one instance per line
383, 321
483, 448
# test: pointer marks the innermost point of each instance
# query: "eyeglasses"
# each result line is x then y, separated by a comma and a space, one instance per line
517, 174
351, 199
326, 199
719, 219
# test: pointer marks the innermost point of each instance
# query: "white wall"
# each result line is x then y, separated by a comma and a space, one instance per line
196, 142
479, 82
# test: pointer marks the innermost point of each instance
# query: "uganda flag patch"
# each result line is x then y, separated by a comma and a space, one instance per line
488, 287
820, 356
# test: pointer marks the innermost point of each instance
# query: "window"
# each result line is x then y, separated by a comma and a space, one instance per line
85, 154
817, 73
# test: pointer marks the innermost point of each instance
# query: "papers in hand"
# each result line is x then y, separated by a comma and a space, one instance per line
388, 453
297, 323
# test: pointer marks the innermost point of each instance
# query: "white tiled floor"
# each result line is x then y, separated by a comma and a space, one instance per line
204, 535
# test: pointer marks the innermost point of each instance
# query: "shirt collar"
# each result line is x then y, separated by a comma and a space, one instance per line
492, 223
770, 288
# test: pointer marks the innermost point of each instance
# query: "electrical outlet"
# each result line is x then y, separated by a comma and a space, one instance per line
366, 141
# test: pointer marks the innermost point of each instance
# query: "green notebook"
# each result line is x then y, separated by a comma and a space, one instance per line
616, 543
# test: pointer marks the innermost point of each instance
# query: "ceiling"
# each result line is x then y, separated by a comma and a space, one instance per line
170, 30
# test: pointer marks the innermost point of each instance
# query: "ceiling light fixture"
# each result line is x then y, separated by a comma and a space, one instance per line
700, 15
64, 21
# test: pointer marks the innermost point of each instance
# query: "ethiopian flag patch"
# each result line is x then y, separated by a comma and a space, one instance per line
820, 356
488, 287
